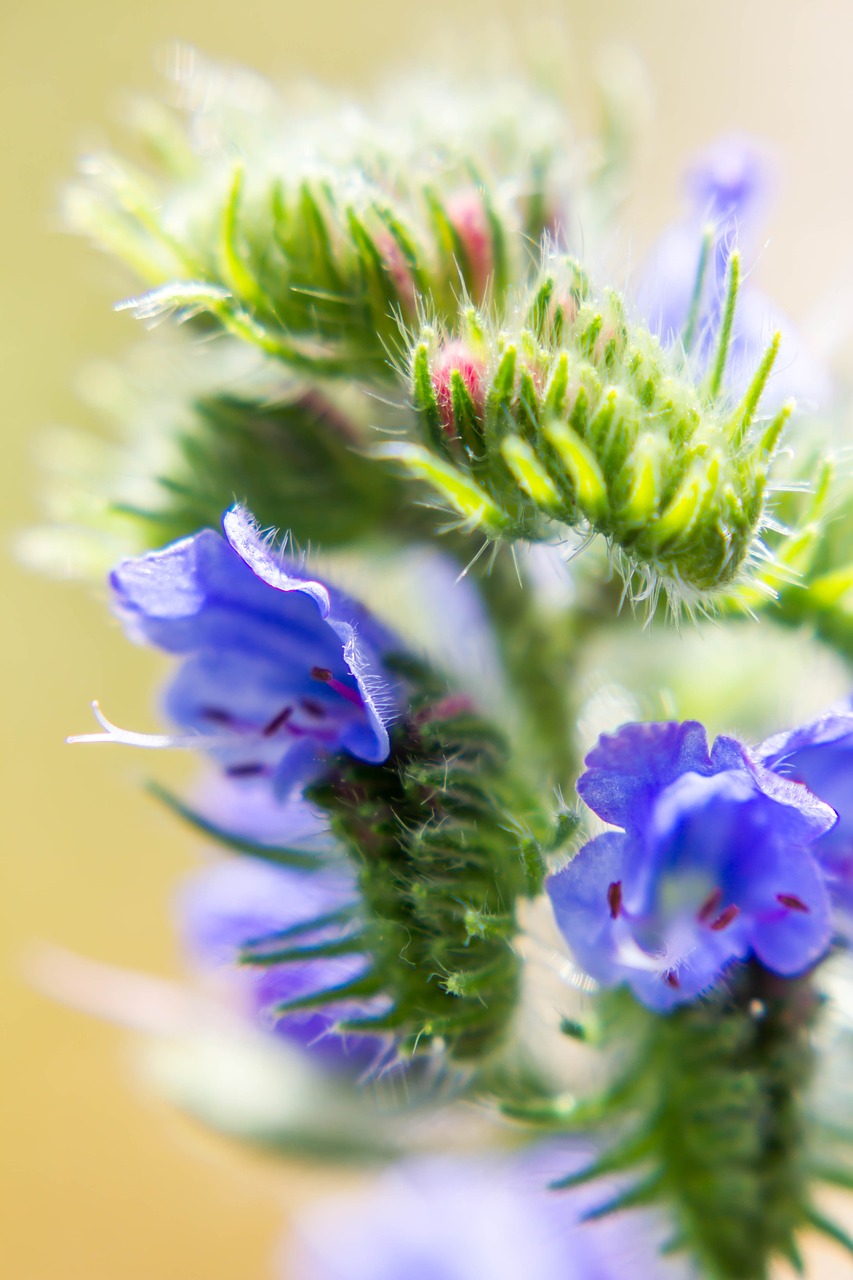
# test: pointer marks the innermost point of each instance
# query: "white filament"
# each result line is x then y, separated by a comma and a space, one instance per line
153, 741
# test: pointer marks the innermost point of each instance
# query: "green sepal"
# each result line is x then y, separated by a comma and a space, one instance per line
329, 920
258, 957
361, 988
828, 1227
280, 855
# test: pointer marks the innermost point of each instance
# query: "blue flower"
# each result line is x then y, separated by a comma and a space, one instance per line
729, 188
820, 755
234, 903
444, 1219
715, 863
278, 669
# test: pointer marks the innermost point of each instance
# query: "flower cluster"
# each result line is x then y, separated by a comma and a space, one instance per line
723, 855
399, 298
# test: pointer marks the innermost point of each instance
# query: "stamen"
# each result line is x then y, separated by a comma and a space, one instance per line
614, 898
324, 675
277, 721
313, 707
710, 906
725, 918
791, 901
217, 714
671, 979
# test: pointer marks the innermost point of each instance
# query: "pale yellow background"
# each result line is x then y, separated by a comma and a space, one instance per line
98, 1181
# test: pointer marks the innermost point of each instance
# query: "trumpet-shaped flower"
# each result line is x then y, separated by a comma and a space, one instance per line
278, 670
716, 862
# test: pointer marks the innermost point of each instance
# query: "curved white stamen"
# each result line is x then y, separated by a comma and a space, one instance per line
153, 741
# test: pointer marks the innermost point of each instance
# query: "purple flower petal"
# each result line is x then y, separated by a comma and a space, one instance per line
442, 1219
231, 904
819, 756
626, 768
729, 188
279, 670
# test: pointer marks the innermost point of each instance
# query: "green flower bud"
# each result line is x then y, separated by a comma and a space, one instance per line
569, 414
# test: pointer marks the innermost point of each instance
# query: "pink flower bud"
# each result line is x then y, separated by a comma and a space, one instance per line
467, 214
458, 356
564, 306
394, 262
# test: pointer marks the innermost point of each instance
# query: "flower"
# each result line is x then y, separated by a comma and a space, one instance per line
715, 862
244, 904
820, 754
729, 188
443, 1219
278, 670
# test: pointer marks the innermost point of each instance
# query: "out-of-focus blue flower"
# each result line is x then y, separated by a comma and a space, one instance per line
278, 669
466, 1219
820, 755
233, 903
729, 188
716, 861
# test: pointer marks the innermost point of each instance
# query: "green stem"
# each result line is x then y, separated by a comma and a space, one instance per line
539, 654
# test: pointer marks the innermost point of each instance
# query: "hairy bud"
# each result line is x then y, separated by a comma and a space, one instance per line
581, 419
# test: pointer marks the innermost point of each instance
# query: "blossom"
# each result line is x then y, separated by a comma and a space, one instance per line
729, 188
278, 669
242, 903
444, 1219
715, 862
820, 755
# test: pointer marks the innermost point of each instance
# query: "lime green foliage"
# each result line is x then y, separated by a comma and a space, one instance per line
445, 843
813, 575
708, 1117
299, 457
582, 420
312, 233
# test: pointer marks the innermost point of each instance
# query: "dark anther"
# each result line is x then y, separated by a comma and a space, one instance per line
614, 898
321, 673
245, 770
710, 906
277, 721
671, 979
792, 901
217, 715
725, 918
313, 707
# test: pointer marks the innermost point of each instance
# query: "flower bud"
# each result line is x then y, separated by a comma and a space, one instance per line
467, 215
457, 357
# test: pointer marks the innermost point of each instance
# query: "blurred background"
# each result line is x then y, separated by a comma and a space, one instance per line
98, 1180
